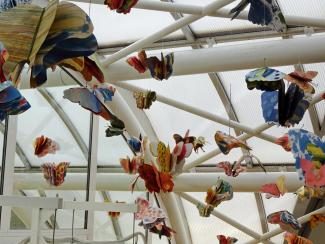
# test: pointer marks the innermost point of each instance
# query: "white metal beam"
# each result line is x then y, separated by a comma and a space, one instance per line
233, 57
142, 43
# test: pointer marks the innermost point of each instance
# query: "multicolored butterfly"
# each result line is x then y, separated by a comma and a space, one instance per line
44, 145
308, 150
285, 219
266, 12
275, 189
306, 192
226, 240
131, 166
231, 169
140, 62
302, 79
55, 174
121, 6
162, 230
292, 238
284, 142
227, 142
221, 191
144, 100
154, 180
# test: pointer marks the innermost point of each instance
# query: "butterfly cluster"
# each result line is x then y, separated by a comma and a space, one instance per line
55, 174
159, 69
44, 145
121, 6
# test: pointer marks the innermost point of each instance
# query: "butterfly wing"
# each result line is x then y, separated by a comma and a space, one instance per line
164, 157
226, 166
280, 183
269, 101
271, 190
125, 163
155, 67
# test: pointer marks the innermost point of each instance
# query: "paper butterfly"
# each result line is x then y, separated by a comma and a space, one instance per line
154, 180
87, 100
121, 6
285, 109
275, 189
292, 238
114, 214
144, 100
227, 142
284, 142
131, 166
116, 128
265, 79
135, 143
266, 12
302, 79
231, 169
316, 219
106, 93
308, 150
226, 240
306, 192
148, 214
162, 230
159, 69
55, 174
44, 145
285, 219
221, 191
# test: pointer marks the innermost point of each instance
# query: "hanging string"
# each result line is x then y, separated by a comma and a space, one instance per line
72, 227
229, 109
133, 230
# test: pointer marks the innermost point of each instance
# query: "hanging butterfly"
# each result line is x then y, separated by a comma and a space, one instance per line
131, 166
148, 214
44, 145
116, 128
302, 80
275, 189
162, 230
114, 214
227, 142
135, 143
87, 100
286, 109
308, 150
55, 174
283, 141
226, 240
292, 238
144, 100
231, 169
315, 219
159, 69
106, 93
262, 12
221, 191
306, 192
285, 219
154, 180
199, 143
163, 155
121, 6
265, 79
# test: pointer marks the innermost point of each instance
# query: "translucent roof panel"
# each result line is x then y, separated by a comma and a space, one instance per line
41, 119
205, 230
111, 28
315, 8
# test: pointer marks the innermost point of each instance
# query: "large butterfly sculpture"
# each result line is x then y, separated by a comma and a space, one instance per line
262, 12
227, 142
44, 145
316, 219
152, 218
131, 166
231, 169
144, 100
306, 192
221, 191
226, 239
308, 150
55, 174
283, 141
121, 6
275, 189
285, 219
159, 69
292, 238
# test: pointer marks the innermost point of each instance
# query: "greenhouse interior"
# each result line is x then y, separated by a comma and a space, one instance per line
162, 122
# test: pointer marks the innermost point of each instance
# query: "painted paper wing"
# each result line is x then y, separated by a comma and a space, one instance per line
284, 142
285, 219
162, 230
275, 189
302, 79
265, 79
44, 145
55, 174
116, 128
139, 62
135, 143
226, 240
131, 166
292, 238
232, 170
121, 6
270, 106
144, 100
227, 142
23, 35
161, 69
